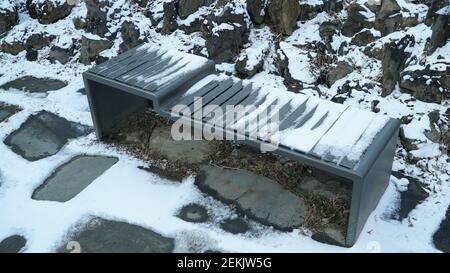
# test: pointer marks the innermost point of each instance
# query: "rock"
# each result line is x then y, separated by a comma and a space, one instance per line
412, 196
394, 59
338, 72
31, 54
225, 33
193, 213
141, 3
7, 111
34, 85
96, 18
12, 244
363, 38
327, 30
440, 34
435, 6
283, 14
43, 135
330, 236
235, 226
130, 35
170, 18
356, 20
436, 133
426, 85
8, 15
188, 7
407, 143
333, 6
79, 23
48, 12
388, 17
62, 55
310, 10
251, 60
39, 40
106, 236
441, 238
374, 106
13, 47
257, 10
91, 46
281, 63
258, 197
374, 51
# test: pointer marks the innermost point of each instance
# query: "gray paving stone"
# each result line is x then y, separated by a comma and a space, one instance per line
73, 177
235, 226
7, 110
258, 197
34, 85
12, 244
105, 236
43, 135
194, 213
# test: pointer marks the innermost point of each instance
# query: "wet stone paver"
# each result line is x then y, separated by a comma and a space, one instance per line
235, 226
34, 85
105, 236
193, 213
258, 197
43, 135
73, 177
12, 244
409, 199
7, 111
441, 238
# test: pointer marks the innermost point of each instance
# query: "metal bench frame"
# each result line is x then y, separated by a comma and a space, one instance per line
112, 101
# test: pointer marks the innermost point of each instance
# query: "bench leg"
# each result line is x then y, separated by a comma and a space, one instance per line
110, 106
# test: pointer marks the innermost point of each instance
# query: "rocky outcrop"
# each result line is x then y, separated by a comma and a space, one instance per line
170, 18
427, 85
363, 38
39, 40
225, 32
251, 60
388, 17
8, 15
327, 30
440, 34
356, 20
130, 35
188, 7
257, 10
309, 10
96, 18
49, 11
283, 15
432, 13
90, 48
62, 52
394, 59
338, 72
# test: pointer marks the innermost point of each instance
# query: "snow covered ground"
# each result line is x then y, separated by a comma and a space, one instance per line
129, 194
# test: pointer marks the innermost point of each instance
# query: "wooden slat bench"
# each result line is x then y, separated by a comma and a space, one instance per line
345, 141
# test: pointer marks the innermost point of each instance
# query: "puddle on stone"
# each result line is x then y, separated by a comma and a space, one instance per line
34, 85
105, 236
235, 226
7, 111
12, 244
43, 135
193, 213
73, 177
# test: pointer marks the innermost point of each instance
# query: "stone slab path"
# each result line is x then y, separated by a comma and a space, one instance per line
34, 85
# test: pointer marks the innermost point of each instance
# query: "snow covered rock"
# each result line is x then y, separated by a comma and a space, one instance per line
96, 17
257, 10
252, 60
359, 17
327, 30
225, 32
338, 72
8, 15
388, 17
309, 9
363, 38
48, 11
188, 7
91, 46
141, 3
62, 51
130, 35
39, 40
427, 85
283, 14
395, 56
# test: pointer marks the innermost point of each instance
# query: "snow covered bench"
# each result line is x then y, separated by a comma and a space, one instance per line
350, 143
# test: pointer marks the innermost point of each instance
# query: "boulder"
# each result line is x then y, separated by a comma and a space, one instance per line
435, 6
327, 30
13, 47
39, 40
188, 7
338, 72
388, 18
170, 18
8, 15
427, 85
96, 18
130, 35
333, 6
31, 54
251, 60
48, 11
281, 63
141, 3
257, 10
395, 56
363, 38
79, 23
91, 46
356, 20
309, 10
283, 15
60, 54
225, 33
440, 34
